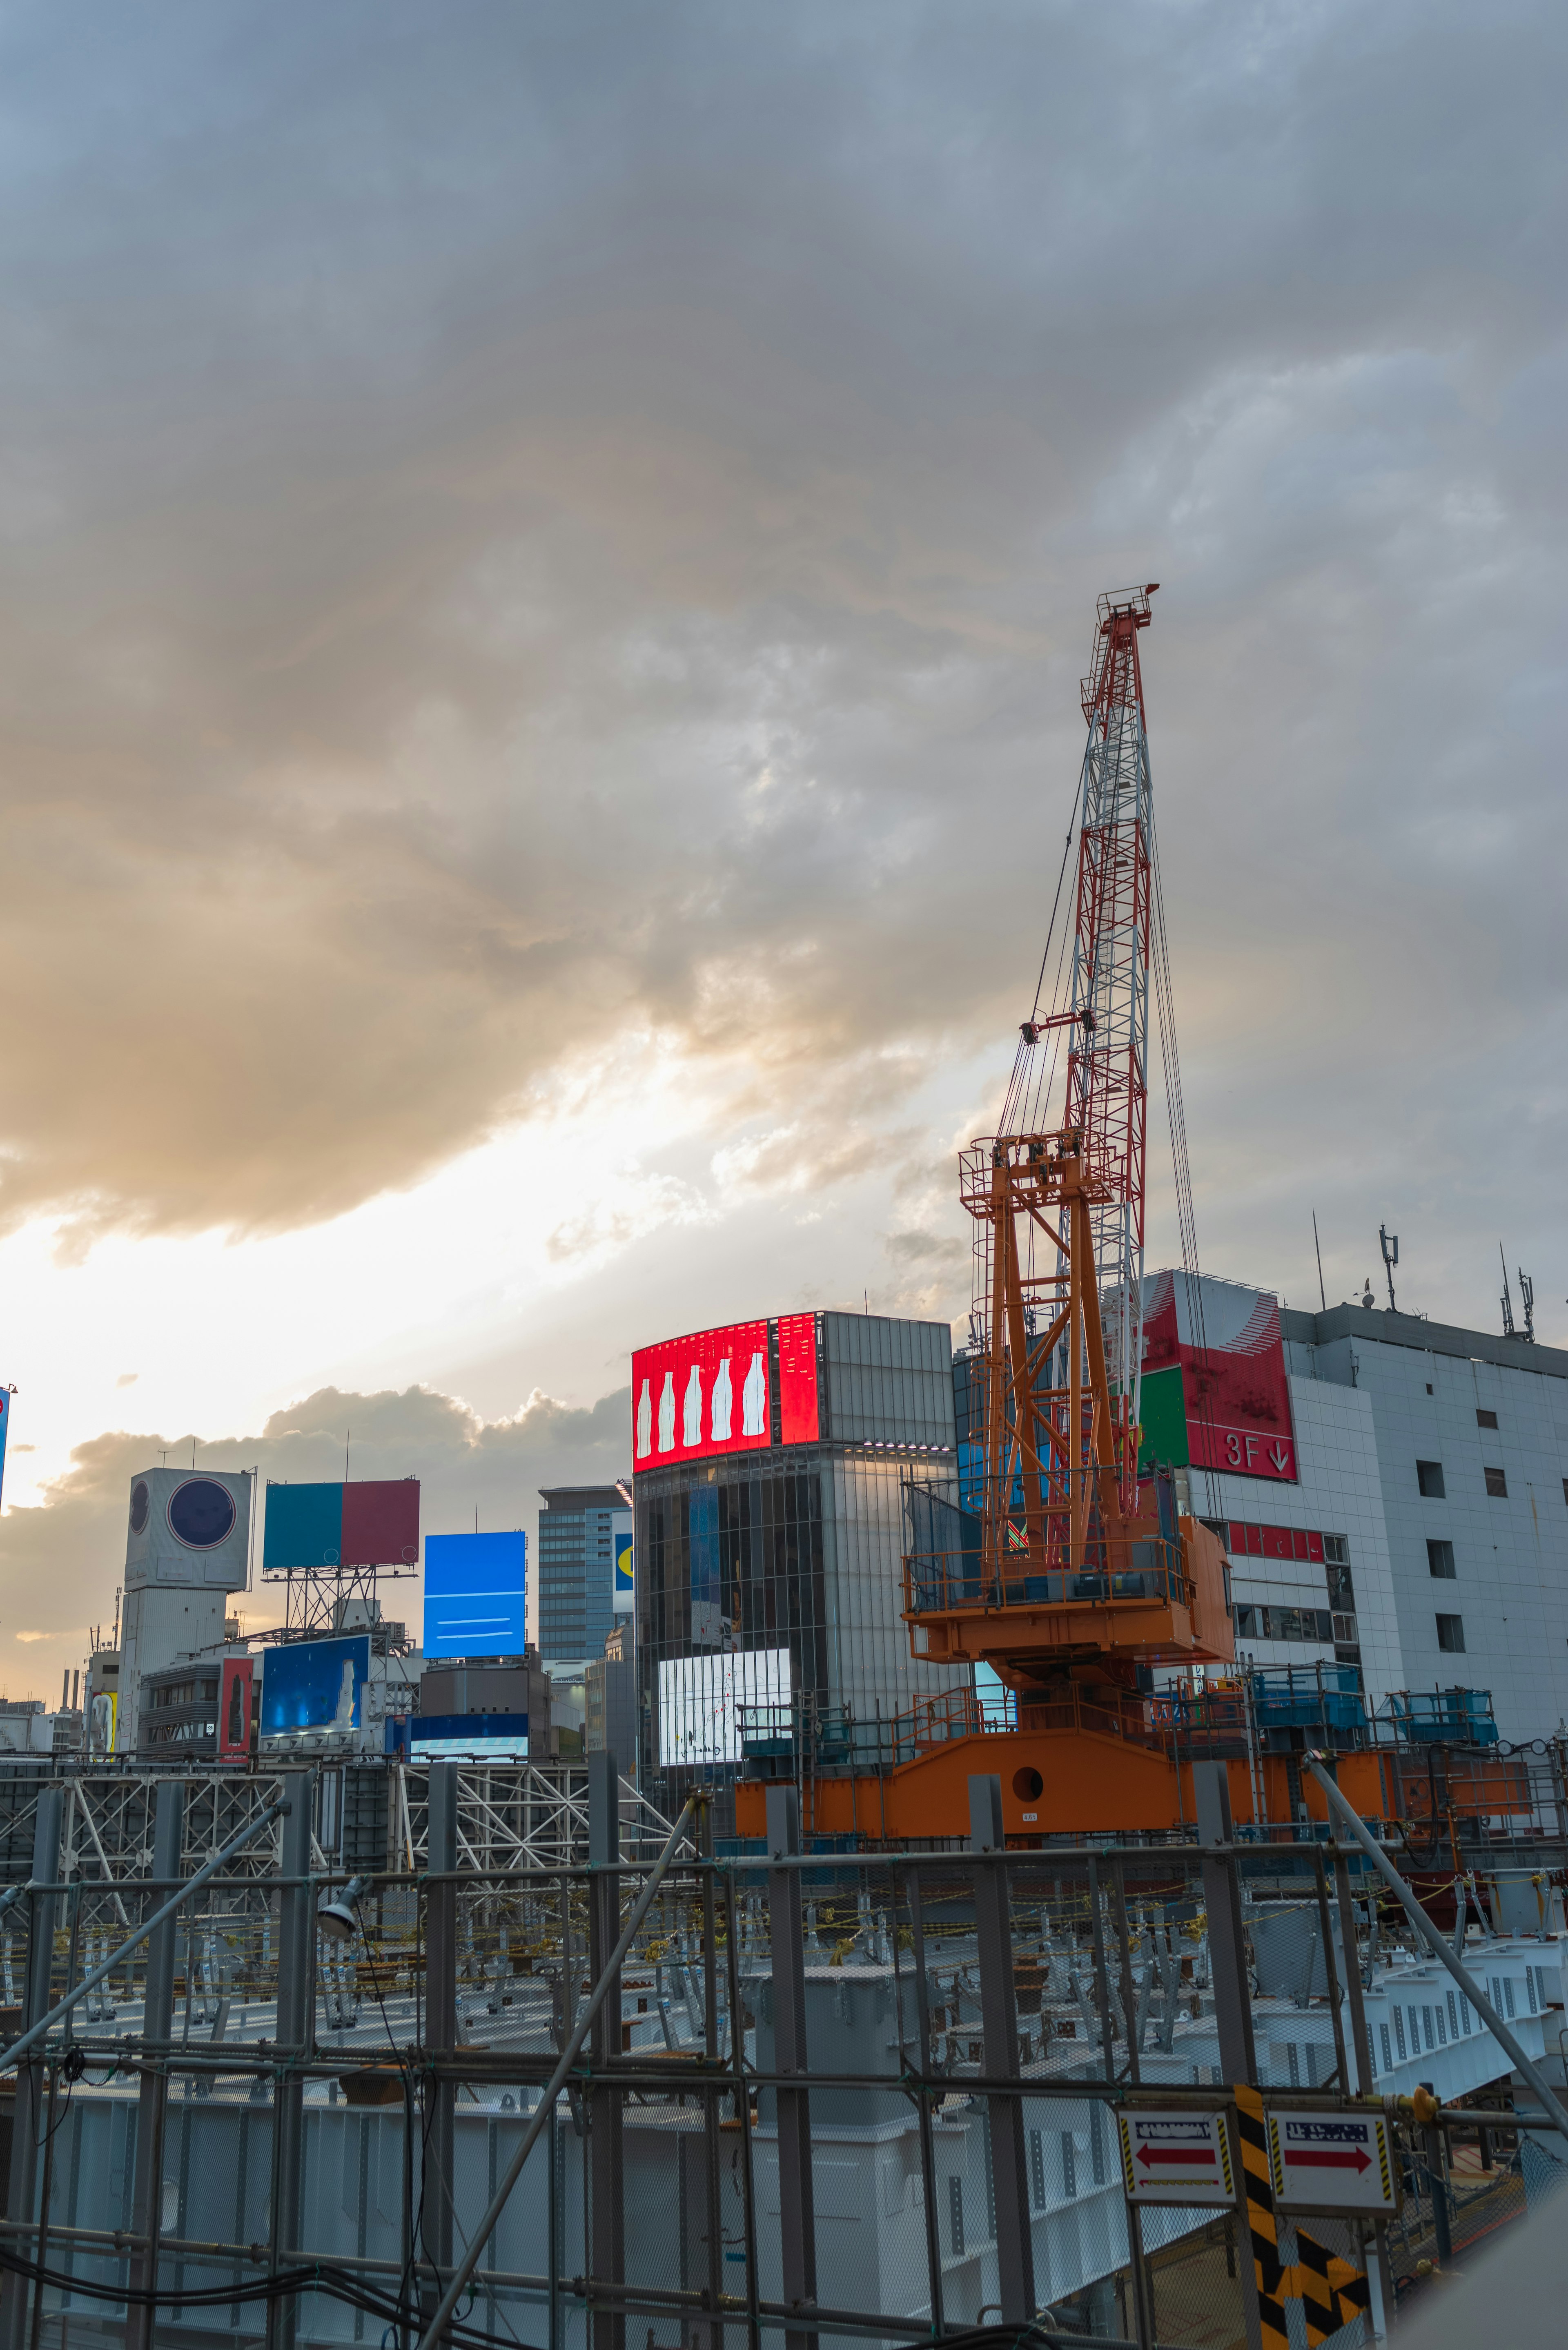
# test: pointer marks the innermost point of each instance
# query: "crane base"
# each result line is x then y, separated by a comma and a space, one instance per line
1071, 1782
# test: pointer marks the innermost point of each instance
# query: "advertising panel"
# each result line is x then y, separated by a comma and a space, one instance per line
475, 1595
700, 1699
704, 1394
4, 1430
478, 1737
315, 1685
623, 1586
103, 1722
236, 1693
373, 1523
800, 1419
1215, 1393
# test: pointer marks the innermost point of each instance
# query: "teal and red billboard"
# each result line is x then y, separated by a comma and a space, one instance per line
373, 1523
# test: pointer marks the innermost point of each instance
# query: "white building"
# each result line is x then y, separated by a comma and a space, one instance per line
1431, 1486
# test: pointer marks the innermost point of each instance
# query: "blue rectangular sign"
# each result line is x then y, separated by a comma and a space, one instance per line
4, 1430
315, 1685
476, 1592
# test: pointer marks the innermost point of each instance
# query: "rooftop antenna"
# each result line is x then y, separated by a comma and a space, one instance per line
1527, 1299
1389, 1243
1508, 1331
1317, 1244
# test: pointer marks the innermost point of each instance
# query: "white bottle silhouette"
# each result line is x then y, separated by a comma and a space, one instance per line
723, 1397
755, 1400
667, 1413
691, 1412
344, 1717
644, 1423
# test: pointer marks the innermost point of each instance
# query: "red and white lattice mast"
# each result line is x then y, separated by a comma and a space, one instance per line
1108, 1067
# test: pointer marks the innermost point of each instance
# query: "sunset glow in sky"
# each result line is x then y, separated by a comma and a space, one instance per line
548, 554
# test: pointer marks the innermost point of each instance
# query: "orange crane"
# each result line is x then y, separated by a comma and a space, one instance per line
1057, 1566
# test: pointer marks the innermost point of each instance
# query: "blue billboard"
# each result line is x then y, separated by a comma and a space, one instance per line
482, 1737
315, 1685
6, 1395
475, 1595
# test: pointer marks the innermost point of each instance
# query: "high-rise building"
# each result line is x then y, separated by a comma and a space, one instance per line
770, 1460
581, 1527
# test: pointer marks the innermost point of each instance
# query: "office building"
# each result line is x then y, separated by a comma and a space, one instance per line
580, 1528
770, 1459
1393, 1493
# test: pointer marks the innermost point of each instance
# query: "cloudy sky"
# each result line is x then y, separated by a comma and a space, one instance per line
547, 556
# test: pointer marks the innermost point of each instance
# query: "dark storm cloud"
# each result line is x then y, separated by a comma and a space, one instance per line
523, 523
61, 1561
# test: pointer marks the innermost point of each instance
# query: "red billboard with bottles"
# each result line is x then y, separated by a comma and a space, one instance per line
717, 1391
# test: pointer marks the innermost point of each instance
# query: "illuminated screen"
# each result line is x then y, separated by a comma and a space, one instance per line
623, 1591
704, 1394
315, 1685
699, 1698
483, 1737
799, 1421
475, 1595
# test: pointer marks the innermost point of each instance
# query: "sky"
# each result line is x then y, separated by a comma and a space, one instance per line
546, 553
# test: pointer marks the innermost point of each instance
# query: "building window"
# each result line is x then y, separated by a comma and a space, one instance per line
1440, 1560
1485, 1419
1429, 1478
1336, 1551
1495, 1484
1451, 1634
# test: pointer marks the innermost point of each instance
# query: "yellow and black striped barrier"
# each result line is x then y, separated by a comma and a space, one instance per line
1329, 2289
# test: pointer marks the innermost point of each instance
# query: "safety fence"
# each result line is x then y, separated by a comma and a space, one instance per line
1152, 2095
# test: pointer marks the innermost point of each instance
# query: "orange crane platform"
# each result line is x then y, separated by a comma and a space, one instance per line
1088, 1763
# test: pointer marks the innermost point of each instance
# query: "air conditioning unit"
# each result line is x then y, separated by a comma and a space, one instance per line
190, 1527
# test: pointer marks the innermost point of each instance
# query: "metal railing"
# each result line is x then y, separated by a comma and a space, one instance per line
863, 2096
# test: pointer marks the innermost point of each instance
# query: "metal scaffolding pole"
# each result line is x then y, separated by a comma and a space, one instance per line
797, 2224
439, 2095
606, 2155
998, 2025
295, 2039
28, 2128
157, 2039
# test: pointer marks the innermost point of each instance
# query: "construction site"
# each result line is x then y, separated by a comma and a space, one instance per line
1033, 1881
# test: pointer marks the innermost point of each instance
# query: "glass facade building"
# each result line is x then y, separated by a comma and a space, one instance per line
774, 1574
575, 1568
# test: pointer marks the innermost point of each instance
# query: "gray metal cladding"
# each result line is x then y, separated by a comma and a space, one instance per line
888, 1381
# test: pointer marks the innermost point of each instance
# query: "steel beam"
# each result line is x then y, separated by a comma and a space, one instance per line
999, 2025
786, 1925
439, 2097
295, 2039
157, 2039
606, 2167
29, 2126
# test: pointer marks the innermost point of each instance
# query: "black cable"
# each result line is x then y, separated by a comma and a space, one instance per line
314, 2276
